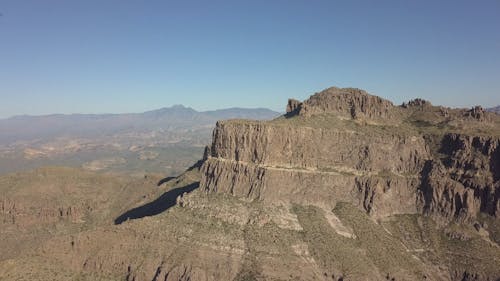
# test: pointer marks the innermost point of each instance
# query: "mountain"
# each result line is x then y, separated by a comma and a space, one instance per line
344, 186
166, 140
25, 128
398, 159
495, 109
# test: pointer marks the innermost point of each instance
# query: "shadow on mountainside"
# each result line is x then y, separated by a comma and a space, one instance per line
161, 204
165, 180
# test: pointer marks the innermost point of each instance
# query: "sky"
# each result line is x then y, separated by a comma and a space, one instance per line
112, 56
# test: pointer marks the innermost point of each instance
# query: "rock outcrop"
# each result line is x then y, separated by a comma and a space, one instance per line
320, 154
346, 102
23, 215
466, 181
478, 113
418, 103
315, 165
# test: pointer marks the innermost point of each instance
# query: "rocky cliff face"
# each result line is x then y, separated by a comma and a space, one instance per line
466, 180
316, 165
394, 161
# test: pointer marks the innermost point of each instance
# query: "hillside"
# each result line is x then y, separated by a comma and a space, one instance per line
344, 186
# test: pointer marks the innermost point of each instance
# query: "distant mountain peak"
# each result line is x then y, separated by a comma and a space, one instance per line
175, 109
92, 125
178, 106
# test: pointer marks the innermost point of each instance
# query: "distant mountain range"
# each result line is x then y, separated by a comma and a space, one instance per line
25, 128
495, 109
167, 140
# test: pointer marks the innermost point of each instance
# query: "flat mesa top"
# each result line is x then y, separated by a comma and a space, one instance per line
355, 109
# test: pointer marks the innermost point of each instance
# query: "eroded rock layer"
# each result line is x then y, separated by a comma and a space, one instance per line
315, 165
466, 180
347, 145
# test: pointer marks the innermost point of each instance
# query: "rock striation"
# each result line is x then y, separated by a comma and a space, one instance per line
302, 164
403, 159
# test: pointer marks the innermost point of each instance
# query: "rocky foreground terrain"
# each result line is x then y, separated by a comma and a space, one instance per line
344, 186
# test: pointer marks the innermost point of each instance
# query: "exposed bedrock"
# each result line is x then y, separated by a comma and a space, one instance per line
23, 214
347, 102
315, 166
383, 169
318, 148
467, 179
374, 194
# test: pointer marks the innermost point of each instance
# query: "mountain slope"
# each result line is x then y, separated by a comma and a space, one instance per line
345, 186
344, 146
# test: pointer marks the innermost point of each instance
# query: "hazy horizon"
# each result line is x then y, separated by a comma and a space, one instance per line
121, 56
149, 110
282, 110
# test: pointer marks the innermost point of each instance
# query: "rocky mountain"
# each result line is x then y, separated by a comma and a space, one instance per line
399, 159
344, 186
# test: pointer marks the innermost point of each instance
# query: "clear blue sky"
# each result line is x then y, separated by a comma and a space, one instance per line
94, 56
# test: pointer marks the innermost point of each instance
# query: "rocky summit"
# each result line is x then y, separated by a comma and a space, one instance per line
345, 145
344, 186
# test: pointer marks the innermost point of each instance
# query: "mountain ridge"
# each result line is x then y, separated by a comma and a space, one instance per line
345, 186
166, 108
166, 140
365, 140
88, 125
